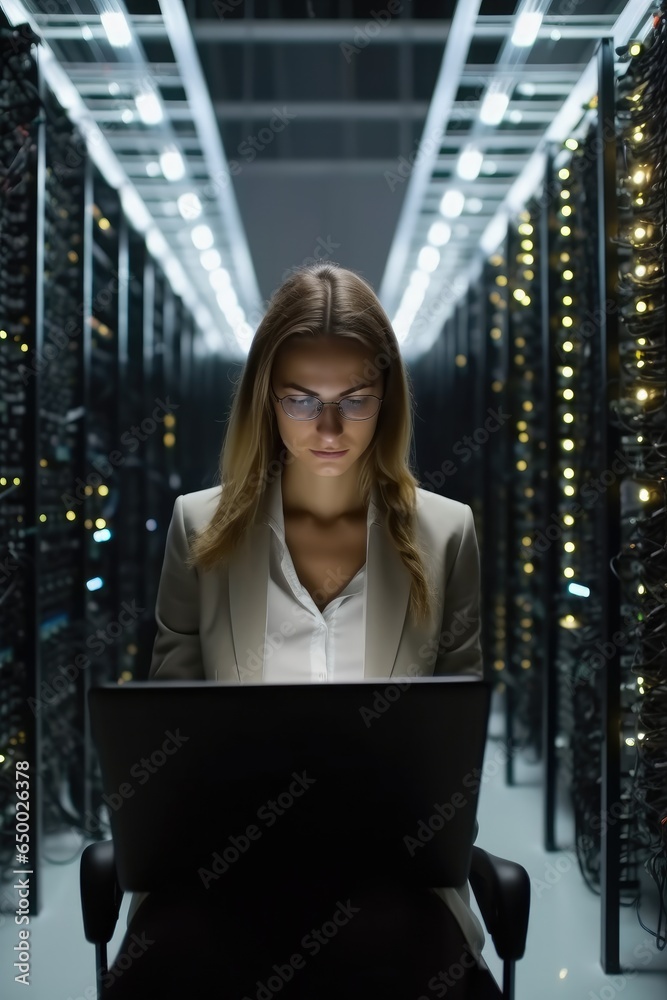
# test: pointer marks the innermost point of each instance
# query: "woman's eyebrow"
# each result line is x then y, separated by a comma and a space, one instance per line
311, 392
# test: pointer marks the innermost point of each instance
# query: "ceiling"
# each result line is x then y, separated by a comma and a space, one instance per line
324, 129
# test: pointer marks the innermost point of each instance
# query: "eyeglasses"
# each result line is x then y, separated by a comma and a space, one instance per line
309, 407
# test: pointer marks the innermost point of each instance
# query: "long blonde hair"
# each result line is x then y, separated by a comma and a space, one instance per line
322, 298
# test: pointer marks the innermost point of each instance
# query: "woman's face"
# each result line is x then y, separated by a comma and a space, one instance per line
328, 367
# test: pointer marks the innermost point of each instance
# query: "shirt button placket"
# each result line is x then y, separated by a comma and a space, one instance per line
322, 629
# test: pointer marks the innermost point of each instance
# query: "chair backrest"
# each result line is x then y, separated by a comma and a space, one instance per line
382, 776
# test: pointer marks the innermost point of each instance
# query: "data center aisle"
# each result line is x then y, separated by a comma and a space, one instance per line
562, 954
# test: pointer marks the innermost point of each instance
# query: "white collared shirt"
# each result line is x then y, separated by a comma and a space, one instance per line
304, 644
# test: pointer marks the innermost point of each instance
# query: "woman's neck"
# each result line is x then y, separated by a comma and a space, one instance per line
324, 499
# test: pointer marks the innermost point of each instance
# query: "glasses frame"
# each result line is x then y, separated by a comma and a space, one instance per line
331, 402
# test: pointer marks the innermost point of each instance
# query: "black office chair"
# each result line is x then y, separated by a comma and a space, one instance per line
501, 888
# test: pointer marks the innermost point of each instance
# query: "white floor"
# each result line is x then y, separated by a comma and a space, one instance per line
563, 950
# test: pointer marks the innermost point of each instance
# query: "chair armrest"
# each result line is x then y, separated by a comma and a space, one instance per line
101, 895
502, 891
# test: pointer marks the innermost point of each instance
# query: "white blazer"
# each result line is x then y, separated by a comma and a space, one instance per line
206, 621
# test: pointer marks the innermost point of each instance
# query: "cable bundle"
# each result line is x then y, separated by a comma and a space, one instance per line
642, 417
525, 364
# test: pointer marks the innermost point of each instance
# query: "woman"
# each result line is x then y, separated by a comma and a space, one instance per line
317, 546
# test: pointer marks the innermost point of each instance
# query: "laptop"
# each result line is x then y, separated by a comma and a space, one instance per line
221, 785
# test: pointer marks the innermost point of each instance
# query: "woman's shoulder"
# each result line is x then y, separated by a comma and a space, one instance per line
430, 504
198, 507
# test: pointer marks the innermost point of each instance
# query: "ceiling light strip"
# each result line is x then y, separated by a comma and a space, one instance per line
182, 43
456, 52
103, 156
635, 21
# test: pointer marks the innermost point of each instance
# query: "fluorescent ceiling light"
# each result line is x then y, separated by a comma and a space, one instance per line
469, 165
526, 28
494, 233
210, 259
219, 279
439, 234
135, 209
189, 206
420, 280
428, 258
493, 107
244, 335
117, 29
412, 298
475, 205
152, 168
86, 33
227, 298
235, 316
202, 237
149, 107
127, 116
452, 203
527, 89
155, 243
172, 165
64, 90
174, 272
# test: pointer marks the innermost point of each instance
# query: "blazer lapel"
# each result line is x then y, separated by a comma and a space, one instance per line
386, 596
387, 593
248, 578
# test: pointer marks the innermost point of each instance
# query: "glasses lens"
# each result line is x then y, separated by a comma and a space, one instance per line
359, 407
301, 407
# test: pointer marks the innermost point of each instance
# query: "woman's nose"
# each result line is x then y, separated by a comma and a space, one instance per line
330, 416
